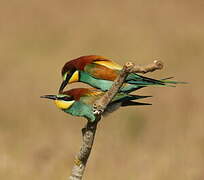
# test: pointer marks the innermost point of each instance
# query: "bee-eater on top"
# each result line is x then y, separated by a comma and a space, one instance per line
79, 101
100, 72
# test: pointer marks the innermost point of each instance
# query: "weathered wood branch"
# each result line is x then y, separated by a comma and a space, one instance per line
88, 133
99, 106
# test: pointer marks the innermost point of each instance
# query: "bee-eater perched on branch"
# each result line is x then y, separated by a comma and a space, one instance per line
79, 101
100, 73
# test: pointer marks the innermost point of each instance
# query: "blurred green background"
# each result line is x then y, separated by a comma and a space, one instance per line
163, 141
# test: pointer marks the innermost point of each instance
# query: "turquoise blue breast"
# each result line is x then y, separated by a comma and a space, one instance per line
82, 110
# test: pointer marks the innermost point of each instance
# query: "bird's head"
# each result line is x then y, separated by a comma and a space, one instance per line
70, 71
62, 101
69, 75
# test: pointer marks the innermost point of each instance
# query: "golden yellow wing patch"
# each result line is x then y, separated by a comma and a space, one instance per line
94, 92
109, 64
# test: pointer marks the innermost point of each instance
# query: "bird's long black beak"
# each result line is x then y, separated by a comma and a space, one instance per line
53, 97
63, 85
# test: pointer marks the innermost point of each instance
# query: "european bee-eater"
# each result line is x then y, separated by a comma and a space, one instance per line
100, 73
79, 101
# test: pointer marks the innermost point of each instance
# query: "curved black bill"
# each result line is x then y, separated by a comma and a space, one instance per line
53, 97
63, 85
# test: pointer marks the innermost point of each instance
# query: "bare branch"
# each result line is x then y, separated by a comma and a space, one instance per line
157, 65
99, 106
81, 158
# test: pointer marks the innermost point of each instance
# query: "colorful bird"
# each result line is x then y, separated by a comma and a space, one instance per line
79, 101
100, 73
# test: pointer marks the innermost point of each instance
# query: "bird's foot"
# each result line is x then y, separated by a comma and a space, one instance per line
97, 109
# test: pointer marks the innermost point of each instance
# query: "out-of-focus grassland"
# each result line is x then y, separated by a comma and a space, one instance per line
160, 142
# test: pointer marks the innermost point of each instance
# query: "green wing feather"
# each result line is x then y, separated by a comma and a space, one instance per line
145, 81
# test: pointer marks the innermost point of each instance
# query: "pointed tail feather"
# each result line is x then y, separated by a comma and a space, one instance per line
142, 80
166, 78
133, 97
127, 97
144, 84
115, 105
133, 103
145, 81
174, 82
122, 99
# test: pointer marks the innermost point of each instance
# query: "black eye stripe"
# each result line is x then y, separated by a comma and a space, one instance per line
66, 98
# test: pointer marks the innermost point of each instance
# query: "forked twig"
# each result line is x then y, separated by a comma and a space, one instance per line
99, 106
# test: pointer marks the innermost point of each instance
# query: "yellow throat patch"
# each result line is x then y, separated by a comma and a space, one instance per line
75, 77
63, 104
